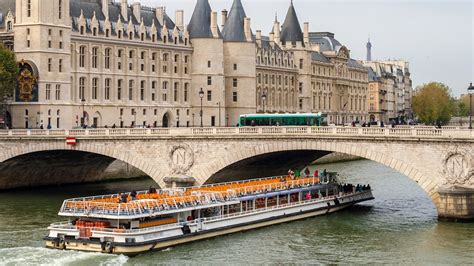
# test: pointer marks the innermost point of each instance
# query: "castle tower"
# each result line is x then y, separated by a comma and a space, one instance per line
293, 38
239, 64
207, 68
42, 41
291, 33
369, 51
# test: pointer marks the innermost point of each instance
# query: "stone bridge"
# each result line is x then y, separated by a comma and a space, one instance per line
439, 161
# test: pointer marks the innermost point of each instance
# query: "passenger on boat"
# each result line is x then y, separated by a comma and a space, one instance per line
308, 196
124, 198
133, 195
316, 173
297, 173
152, 190
307, 173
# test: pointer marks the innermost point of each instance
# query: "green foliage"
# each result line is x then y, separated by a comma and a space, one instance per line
8, 72
433, 104
463, 106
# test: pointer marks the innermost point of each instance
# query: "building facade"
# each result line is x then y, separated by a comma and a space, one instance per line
390, 90
104, 63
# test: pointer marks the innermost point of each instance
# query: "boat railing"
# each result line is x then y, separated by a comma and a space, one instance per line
268, 208
144, 206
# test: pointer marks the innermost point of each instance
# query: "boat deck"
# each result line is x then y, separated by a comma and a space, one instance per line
171, 201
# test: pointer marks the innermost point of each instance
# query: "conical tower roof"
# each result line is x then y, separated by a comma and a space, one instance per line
200, 24
234, 27
291, 29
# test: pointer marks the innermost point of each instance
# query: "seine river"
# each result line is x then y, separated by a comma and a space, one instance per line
399, 227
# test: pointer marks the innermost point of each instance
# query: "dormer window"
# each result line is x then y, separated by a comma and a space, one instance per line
9, 26
130, 35
142, 37
120, 34
94, 32
82, 30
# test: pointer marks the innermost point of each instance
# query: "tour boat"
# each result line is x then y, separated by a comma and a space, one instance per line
136, 222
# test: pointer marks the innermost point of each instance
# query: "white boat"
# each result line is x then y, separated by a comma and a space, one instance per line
160, 219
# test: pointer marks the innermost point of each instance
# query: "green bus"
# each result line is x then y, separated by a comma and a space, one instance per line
271, 120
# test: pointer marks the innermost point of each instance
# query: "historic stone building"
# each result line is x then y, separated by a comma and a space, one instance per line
104, 63
390, 91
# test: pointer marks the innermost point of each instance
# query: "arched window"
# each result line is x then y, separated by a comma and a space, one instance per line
82, 56
107, 89
119, 89
82, 86
95, 84
60, 9
130, 90
95, 52
28, 8
108, 52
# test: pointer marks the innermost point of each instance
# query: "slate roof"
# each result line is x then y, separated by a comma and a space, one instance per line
291, 29
200, 24
234, 27
326, 41
372, 75
315, 56
354, 64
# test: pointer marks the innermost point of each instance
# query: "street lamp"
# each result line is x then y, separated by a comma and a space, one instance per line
471, 88
264, 99
201, 95
83, 122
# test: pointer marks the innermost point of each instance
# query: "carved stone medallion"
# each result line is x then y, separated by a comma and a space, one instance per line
181, 158
457, 169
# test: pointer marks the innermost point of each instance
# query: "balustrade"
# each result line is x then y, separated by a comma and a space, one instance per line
402, 131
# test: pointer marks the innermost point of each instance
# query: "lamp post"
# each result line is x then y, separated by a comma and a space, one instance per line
471, 88
264, 99
219, 106
201, 95
83, 122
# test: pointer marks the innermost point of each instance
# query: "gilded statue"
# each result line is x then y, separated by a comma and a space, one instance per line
26, 81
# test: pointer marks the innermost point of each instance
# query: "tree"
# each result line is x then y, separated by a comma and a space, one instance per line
433, 104
8, 72
463, 105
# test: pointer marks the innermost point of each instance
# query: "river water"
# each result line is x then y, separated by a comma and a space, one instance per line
398, 227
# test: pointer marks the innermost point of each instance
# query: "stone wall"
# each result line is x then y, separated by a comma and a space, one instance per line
336, 157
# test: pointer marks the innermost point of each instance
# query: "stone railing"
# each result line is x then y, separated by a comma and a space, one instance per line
417, 132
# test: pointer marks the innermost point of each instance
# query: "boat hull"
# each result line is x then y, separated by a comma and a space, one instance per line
277, 217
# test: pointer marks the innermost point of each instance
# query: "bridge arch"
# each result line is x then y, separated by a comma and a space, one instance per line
202, 175
129, 157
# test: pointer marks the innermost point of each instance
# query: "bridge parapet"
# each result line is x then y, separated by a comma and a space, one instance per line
414, 132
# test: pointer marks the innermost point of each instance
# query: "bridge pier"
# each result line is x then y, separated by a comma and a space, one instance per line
456, 204
179, 181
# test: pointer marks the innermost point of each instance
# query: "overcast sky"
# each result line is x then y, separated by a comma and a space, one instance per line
436, 37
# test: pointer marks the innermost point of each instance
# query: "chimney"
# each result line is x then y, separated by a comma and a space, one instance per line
179, 19
224, 17
258, 37
105, 8
306, 33
137, 10
276, 30
124, 9
214, 30
160, 14
247, 31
